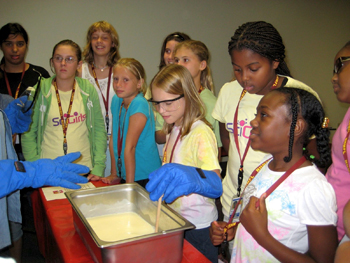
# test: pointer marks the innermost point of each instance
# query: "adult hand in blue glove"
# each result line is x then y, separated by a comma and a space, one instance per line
175, 180
57, 172
19, 120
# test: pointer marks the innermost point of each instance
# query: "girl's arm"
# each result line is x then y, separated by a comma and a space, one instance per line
225, 138
137, 123
99, 134
322, 239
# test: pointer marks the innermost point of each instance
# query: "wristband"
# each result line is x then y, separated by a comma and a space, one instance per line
19, 167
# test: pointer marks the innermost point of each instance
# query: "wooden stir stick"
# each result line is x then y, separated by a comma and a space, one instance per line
158, 213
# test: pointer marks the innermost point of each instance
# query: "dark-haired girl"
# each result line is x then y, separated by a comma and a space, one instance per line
67, 115
294, 221
15, 74
168, 46
257, 55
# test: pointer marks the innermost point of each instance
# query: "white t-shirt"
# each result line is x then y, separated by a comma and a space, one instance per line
224, 111
304, 198
198, 149
85, 74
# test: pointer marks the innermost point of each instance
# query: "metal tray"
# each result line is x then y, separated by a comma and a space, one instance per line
163, 246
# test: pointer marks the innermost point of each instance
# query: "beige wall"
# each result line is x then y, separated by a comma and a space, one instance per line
313, 31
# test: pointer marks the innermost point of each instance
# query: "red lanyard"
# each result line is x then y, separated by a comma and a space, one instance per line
8, 83
120, 137
235, 135
345, 155
64, 121
272, 187
200, 89
103, 97
172, 150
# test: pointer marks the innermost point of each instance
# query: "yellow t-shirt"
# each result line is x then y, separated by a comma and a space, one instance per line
77, 132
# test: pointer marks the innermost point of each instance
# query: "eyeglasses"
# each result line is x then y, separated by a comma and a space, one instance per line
68, 60
339, 63
167, 105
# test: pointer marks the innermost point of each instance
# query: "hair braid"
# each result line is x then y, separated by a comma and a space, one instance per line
294, 111
312, 112
262, 38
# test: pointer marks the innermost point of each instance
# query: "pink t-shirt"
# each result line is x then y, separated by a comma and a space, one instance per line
338, 175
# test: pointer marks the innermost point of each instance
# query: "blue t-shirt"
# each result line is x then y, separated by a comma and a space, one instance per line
146, 154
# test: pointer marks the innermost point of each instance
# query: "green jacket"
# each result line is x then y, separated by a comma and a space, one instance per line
31, 140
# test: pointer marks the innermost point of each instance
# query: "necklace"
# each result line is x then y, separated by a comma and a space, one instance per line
20, 82
64, 121
100, 68
105, 101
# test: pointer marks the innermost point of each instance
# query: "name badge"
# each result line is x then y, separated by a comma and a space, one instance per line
236, 202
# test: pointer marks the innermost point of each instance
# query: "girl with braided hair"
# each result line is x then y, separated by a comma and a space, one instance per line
257, 54
289, 208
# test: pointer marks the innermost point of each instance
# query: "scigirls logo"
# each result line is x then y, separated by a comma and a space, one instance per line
74, 118
243, 128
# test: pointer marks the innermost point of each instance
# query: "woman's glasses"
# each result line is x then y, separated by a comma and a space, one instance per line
339, 63
68, 60
167, 105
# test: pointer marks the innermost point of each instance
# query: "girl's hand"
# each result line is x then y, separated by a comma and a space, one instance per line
216, 232
112, 179
92, 177
254, 219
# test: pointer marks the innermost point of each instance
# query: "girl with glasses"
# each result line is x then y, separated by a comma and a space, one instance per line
257, 55
190, 143
132, 145
338, 174
100, 55
194, 55
65, 116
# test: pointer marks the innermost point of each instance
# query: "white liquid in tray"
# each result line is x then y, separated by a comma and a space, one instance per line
117, 227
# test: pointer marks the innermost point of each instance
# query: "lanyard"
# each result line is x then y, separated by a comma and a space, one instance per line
120, 138
64, 121
172, 150
103, 97
271, 188
200, 89
19, 85
345, 149
235, 135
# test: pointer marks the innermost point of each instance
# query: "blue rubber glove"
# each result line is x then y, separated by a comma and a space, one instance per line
57, 172
175, 180
19, 121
